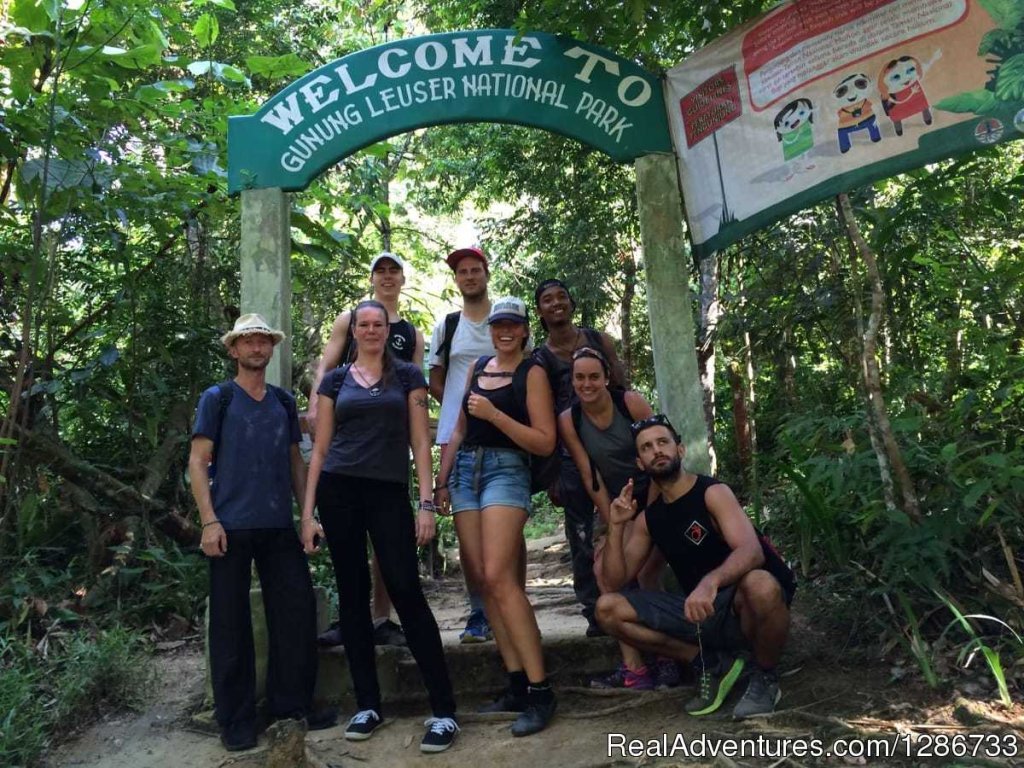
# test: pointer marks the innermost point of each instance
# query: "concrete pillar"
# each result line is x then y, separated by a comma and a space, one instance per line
671, 305
266, 270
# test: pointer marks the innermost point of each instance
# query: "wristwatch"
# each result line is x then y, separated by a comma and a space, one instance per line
426, 505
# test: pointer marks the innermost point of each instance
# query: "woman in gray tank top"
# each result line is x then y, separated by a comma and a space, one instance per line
596, 432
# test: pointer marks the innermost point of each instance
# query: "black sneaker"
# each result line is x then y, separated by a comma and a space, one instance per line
388, 633
534, 719
506, 701
331, 636
362, 725
238, 739
441, 733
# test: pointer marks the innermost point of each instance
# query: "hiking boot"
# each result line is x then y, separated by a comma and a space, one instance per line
441, 733
362, 725
321, 719
624, 677
388, 633
666, 673
316, 720
477, 630
761, 697
714, 685
331, 636
535, 718
506, 701
238, 738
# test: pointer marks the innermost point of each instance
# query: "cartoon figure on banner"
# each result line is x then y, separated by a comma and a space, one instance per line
902, 95
856, 112
794, 130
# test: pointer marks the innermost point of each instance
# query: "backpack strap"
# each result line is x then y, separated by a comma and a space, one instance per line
287, 401
225, 392
451, 322
619, 398
576, 412
341, 380
594, 339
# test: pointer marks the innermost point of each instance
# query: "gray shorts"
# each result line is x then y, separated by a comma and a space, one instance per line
663, 612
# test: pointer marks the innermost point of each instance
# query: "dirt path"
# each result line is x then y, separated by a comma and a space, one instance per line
826, 696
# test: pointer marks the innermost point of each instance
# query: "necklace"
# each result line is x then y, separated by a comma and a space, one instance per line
372, 391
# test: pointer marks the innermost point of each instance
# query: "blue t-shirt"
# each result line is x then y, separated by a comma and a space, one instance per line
252, 487
371, 424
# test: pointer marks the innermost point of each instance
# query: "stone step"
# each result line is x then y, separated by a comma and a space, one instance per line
475, 670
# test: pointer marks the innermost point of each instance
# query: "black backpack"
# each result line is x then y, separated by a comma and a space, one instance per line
543, 469
451, 322
619, 399
225, 392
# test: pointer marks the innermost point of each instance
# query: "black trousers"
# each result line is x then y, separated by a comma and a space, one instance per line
579, 531
291, 627
350, 508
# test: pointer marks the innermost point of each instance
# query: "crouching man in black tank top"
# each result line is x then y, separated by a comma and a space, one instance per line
737, 589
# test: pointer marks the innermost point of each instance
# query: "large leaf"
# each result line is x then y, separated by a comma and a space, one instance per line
274, 67
140, 57
972, 102
206, 30
1010, 79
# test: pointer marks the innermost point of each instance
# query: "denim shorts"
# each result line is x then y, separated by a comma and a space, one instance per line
486, 477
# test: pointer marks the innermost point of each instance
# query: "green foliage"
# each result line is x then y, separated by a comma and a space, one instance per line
44, 696
977, 643
544, 520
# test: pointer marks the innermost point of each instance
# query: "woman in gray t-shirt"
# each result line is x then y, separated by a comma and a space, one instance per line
370, 412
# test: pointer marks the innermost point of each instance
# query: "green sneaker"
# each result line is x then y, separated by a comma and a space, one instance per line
714, 686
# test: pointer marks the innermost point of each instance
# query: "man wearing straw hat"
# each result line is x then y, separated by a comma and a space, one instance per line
244, 467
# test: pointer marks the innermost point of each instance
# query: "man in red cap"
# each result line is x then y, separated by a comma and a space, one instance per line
459, 339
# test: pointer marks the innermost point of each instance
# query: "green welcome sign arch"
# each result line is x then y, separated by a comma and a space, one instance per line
539, 80
496, 75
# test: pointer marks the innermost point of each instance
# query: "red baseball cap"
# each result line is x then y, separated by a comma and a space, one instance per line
459, 254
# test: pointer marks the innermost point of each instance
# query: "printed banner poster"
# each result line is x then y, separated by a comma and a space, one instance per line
819, 96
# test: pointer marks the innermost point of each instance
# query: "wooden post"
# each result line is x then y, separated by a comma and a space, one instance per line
671, 305
266, 270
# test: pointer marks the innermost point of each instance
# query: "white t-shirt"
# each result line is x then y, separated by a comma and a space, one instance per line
470, 342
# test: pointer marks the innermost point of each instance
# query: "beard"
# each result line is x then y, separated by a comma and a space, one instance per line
669, 471
254, 364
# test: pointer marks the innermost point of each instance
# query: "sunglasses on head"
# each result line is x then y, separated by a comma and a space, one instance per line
657, 420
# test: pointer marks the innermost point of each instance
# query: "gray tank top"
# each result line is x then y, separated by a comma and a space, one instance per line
612, 450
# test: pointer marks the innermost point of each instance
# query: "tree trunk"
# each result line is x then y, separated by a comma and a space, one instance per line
872, 374
124, 500
741, 424
710, 313
626, 309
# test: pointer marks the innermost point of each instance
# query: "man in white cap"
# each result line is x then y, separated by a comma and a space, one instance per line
244, 467
387, 276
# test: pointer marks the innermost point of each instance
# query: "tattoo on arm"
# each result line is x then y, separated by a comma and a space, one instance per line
421, 401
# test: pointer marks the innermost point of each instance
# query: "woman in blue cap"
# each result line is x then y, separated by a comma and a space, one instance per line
507, 414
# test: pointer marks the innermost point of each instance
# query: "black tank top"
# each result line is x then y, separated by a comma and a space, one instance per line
686, 534
507, 400
401, 339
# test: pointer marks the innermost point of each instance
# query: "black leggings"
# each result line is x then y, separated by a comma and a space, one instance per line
351, 507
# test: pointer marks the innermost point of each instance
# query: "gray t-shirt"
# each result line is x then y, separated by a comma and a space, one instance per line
371, 432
